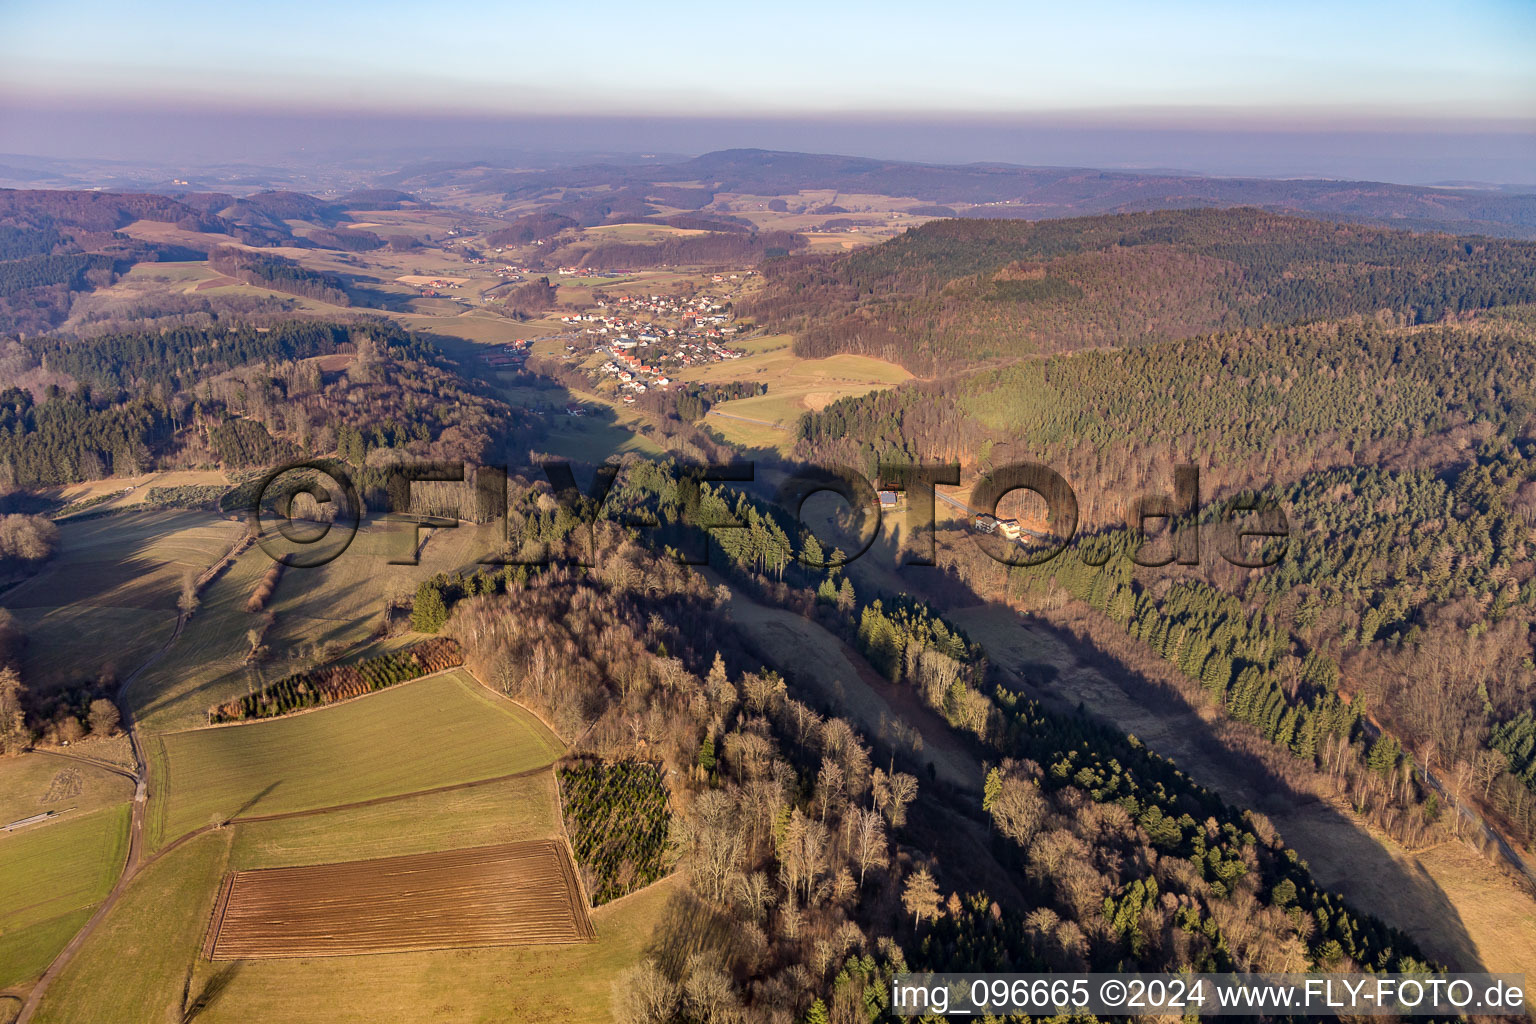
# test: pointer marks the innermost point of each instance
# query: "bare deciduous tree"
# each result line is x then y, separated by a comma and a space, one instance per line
868, 841
893, 793
920, 896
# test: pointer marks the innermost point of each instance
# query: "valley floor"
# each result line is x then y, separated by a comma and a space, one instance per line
1461, 908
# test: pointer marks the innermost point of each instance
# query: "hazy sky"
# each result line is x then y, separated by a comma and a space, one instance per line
1159, 63
1465, 58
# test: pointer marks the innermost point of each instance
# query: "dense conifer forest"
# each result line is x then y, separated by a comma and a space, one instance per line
953, 293
243, 396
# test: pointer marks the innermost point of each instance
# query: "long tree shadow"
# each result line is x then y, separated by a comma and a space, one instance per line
688, 927
1080, 677
212, 989
1343, 854
253, 801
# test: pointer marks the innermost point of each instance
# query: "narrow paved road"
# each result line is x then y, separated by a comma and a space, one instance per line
746, 419
1467, 812
140, 777
94, 762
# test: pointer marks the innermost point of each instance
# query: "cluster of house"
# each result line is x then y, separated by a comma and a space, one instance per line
698, 318
435, 287
633, 366
510, 356
635, 376
1011, 529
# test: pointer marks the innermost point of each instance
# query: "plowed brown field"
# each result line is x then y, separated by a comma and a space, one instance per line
510, 895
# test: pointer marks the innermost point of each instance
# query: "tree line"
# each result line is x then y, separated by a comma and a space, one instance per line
955, 293
278, 273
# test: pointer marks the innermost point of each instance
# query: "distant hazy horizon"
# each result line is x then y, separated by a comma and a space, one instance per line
194, 140
1413, 91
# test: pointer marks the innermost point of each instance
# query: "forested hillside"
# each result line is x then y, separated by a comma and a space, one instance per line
242, 397
1401, 457
1251, 407
954, 293
56, 243
278, 273
809, 852
1404, 598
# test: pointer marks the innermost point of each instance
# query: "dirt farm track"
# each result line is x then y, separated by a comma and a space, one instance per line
509, 895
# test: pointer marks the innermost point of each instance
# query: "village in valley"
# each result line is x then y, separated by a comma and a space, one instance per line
677, 333
648, 339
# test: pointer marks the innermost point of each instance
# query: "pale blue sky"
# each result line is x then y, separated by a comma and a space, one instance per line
1298, 61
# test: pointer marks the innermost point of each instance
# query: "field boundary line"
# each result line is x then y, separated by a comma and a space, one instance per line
676, 872
499, 695
570, 848
220, 908
106, 766
255, 819
311, 710
500, 702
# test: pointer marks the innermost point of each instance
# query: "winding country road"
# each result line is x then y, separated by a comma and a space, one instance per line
135, 863
140, 776
746, 419
94, 762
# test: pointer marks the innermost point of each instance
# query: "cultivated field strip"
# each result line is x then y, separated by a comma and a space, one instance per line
509, 895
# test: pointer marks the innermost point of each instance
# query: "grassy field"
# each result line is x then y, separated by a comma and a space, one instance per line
26, 952
580, 292
434, 732
478, 327
34, 783
51, 876
595, 437
186, 274
795, 386
140, 485
337, 605
343, 601
135, 969
162, 231
1498, 916
530, 984
636, 233
177, 690
107, 599
498, 812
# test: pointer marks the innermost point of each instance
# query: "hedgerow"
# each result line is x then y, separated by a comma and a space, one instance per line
341, 682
